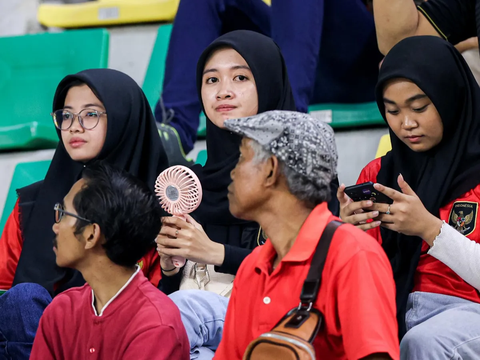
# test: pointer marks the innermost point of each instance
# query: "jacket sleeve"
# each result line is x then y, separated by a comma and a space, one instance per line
234, 256
11, 244
150, 265
170, 284
459, 253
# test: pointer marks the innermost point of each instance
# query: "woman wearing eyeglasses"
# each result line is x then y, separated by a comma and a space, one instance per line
99, 114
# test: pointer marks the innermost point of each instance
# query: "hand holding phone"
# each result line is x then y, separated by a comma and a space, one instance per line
366, 191
357, 211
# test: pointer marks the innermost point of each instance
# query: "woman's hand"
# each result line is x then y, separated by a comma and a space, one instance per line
353, 212
168, 268
188, 240
407, 215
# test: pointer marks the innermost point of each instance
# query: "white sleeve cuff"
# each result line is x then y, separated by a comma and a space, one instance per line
459, 253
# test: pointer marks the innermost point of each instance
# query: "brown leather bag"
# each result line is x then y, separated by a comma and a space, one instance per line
292, 337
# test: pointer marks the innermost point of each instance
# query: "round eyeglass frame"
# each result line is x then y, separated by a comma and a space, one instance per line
78, 116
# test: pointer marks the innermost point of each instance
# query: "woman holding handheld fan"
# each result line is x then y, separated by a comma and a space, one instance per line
240, 74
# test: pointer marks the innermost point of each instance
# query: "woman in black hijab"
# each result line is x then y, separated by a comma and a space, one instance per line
238, 237
265, 62
249, 78
431, 102
131, 143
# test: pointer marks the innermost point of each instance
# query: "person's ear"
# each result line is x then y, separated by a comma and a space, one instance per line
92, 236
272, 171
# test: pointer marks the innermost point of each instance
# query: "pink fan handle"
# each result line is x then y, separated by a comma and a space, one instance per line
179, 261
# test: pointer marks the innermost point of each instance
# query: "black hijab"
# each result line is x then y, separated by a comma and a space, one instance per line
132, 143
274, 93
445, 172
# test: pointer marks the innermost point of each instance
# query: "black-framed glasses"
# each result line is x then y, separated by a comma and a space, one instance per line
60, 213
87, 118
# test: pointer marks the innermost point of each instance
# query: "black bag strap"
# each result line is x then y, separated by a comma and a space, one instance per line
311, 286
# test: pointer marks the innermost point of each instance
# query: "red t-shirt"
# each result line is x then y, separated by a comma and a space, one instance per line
11, 244
140, 323
357, 295
432, 275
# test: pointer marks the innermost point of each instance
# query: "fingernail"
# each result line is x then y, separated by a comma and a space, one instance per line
375, 213
378, 222
369, 203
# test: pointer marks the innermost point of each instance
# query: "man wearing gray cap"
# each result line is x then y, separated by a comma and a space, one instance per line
282, 182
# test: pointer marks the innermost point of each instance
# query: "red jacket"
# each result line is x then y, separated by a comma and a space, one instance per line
432, 275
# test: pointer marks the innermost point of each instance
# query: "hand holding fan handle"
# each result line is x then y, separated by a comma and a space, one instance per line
180, 193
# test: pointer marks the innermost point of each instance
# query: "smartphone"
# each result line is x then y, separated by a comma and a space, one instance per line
366, 191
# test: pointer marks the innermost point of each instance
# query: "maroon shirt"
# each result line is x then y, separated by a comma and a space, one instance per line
139, 323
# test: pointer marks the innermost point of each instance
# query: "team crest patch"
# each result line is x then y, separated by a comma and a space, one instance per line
463, 217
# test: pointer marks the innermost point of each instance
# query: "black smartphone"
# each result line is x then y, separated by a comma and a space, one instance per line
366, 191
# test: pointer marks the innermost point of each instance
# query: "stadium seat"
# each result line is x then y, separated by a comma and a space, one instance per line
25, 174
106, 12
31, 67
153, 82
384, 146
348, 115
201, 157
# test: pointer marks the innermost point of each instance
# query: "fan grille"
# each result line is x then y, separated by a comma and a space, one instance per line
179, 190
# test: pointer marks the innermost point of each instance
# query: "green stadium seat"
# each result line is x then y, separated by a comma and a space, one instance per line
201, 157
106, 13
153, 82
348, 115
31, 67
25, 174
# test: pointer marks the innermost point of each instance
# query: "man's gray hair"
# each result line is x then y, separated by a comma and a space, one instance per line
299, 185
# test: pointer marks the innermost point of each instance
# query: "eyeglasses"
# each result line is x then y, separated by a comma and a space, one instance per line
87, 118
60, 213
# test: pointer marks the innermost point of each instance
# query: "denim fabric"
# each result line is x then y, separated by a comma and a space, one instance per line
20, 310
203, 314
441, 327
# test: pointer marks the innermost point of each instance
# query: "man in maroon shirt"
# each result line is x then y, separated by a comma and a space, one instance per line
104, 225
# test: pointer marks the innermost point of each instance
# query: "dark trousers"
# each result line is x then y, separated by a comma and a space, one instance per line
20, 310
329, 47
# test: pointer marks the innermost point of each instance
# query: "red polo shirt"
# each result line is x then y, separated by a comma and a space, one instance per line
357, 296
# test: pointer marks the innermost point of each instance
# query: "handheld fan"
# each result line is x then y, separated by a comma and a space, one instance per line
180, 193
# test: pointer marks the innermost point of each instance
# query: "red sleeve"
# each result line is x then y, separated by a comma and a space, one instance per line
11, 244
150, 265
42, 349
369, 324
369, 173
158, 343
